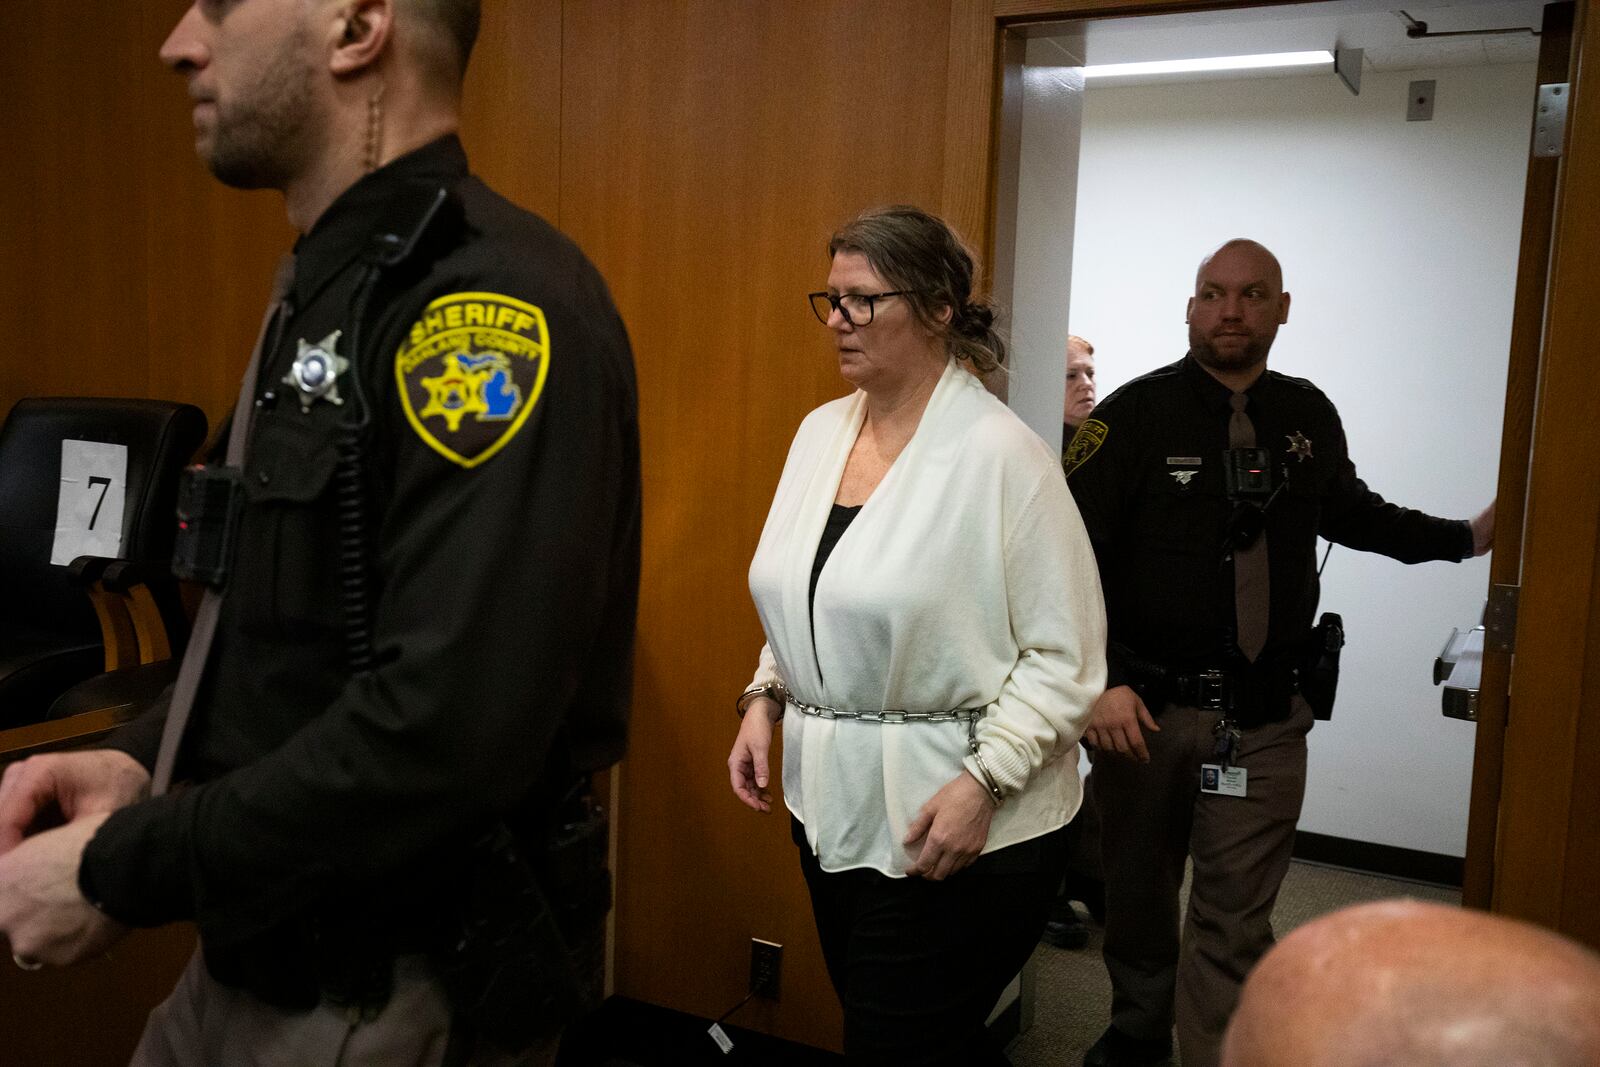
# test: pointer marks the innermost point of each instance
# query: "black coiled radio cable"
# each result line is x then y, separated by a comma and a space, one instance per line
355, 589
389, 249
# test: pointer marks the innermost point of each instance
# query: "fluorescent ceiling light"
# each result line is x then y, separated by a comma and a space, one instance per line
1215, 63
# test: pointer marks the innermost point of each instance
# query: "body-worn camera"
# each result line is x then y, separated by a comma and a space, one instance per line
208, 518
1247, 476
1247, 473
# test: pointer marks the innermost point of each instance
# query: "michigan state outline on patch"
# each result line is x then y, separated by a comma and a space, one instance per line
470, 373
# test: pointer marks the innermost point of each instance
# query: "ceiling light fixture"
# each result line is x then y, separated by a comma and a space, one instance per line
1322, 57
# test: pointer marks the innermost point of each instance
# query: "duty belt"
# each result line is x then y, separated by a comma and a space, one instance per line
1246, 695
823, 711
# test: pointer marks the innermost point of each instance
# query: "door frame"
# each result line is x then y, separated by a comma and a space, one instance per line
1537, 852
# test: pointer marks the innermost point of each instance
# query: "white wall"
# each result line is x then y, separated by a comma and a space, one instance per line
1399, 245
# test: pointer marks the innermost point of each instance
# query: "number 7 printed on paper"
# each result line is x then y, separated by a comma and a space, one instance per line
94, 481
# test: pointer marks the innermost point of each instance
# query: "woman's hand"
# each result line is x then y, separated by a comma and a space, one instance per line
952, 827
747, 763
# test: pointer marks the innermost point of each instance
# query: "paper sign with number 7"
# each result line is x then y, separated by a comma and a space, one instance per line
89, 509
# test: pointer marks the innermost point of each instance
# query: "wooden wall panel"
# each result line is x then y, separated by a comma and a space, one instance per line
971, 123
90, 1015
72, 229
511, 115
709, 149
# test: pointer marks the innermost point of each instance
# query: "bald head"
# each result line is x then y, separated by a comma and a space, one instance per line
1420, 985
1254, 252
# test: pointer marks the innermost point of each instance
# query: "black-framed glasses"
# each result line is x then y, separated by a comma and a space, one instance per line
857, 308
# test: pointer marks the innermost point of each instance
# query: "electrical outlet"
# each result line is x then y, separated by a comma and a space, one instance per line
766, 967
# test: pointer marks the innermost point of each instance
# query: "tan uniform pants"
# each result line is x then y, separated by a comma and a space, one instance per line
207, 1024
1154, 817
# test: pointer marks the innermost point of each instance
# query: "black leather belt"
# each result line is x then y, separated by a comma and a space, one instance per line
1251, 696
1211, 690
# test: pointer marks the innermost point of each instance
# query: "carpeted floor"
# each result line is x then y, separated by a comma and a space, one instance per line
1073, 1001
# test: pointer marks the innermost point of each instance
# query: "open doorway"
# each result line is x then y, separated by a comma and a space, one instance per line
1399, 238
1398, 224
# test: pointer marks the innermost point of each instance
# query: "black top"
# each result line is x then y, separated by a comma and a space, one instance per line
839, 519
1146, 471
502, 480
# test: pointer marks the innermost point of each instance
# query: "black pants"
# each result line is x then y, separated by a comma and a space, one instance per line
918, 965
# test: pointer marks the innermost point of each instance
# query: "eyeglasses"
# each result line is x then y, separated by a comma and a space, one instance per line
857, 308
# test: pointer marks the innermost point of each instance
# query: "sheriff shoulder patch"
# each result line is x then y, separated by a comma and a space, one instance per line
1085, 443
470, 372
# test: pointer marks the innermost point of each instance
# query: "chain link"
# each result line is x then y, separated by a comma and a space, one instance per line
823, 711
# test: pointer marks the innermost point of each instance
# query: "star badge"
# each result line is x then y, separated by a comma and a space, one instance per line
316, 370
1299, 446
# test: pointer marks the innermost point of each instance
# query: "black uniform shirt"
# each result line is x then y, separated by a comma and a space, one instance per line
1147, 474
502, 514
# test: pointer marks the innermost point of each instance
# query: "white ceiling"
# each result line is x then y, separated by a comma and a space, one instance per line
1371, 25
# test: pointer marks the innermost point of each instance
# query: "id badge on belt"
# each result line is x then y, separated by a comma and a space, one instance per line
1223, 781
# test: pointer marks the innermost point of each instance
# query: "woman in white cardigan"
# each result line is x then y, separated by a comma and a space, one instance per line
935, 640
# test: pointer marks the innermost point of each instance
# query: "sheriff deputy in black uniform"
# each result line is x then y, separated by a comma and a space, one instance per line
1204, 486
423, 548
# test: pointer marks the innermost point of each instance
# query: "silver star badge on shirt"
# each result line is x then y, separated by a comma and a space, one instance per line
1299, 446
316, 370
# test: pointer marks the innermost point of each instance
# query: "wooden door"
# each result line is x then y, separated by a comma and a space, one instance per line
1516, 445
1547, 848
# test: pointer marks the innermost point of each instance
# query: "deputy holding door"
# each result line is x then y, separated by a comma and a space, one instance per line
1204, 486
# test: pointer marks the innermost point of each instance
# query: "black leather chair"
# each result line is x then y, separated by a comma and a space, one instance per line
50, 636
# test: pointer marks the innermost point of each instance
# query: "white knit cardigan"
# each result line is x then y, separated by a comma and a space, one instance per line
966, 580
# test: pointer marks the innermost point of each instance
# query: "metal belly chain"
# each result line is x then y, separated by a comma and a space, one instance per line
970, 716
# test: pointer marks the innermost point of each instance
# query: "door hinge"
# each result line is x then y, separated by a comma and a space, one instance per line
1500, 618
1550, 119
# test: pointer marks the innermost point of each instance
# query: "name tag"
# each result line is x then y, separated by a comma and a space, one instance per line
1226, 783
